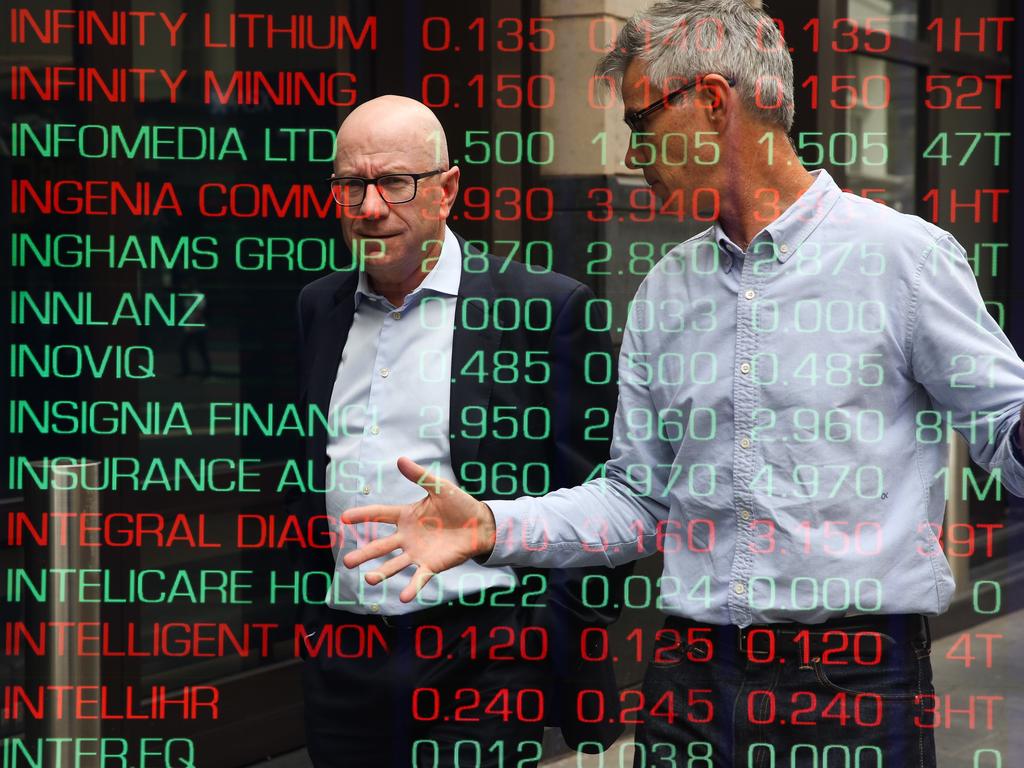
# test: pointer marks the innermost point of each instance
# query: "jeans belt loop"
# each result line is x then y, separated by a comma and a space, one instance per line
741, 640
927, 631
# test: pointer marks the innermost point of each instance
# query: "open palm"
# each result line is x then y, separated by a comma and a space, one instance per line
440, 531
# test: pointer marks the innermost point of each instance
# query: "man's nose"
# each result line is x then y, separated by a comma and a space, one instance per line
631, 156
373, 206
636, 157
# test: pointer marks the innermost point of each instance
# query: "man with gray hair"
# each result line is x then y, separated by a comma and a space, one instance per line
786, 381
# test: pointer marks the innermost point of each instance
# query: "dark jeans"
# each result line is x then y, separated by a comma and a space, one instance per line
852, 693
439, 690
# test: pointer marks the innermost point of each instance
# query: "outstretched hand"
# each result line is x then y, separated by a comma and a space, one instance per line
440, 531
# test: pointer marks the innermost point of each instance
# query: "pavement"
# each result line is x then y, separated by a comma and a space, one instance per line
978, 677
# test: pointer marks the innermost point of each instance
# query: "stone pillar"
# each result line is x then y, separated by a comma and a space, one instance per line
612, 255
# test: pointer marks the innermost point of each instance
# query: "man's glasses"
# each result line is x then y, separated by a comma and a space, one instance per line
635, 120
395, 188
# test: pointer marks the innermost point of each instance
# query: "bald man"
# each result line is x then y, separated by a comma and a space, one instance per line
475, 368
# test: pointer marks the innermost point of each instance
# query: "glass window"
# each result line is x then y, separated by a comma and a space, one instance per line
979, 27
898, 17
880, 145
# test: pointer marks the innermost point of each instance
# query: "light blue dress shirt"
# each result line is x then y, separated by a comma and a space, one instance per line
781, 431
393, 391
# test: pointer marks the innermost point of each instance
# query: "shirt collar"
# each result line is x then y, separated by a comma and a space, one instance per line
788, 232
443, 279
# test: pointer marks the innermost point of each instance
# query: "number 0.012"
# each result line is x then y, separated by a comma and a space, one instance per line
426, 753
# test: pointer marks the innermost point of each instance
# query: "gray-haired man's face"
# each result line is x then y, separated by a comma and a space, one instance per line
676, 147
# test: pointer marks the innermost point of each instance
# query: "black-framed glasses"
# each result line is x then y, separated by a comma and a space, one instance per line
395, 188
635, 120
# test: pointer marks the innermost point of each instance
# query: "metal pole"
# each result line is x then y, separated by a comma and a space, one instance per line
957, 511
67, 496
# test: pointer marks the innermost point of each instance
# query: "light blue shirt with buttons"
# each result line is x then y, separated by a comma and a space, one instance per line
784, 419
391, 398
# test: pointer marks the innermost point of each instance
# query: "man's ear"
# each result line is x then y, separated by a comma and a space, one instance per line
450, 190
713, 95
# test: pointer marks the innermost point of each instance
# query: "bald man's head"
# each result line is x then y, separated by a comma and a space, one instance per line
393, 135
393, 125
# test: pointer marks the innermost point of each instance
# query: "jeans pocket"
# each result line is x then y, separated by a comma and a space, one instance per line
668, 659
674, 655
885, 684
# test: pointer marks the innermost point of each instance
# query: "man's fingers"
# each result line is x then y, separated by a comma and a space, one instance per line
417, 474
371, 551
419, 580
388, 569
374, 513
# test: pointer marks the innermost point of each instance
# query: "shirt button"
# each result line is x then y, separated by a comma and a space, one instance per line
375, 608
745, 514
385, 372
745, 368
745, 442
784, 248
366, 490
374, 430
739, 588
749, 295
396, 315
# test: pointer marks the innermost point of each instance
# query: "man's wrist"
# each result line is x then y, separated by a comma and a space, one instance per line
488, 531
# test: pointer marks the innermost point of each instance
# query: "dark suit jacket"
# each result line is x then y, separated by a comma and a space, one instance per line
488, 322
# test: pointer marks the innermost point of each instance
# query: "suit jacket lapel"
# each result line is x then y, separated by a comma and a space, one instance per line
331, 333
481, 335
465, 342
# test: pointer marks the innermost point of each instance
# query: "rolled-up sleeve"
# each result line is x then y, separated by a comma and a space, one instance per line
963, 359
611, 519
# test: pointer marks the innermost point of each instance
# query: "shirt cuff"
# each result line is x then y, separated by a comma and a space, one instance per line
508, 526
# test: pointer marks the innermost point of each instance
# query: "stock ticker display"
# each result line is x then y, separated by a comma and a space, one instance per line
167, 169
